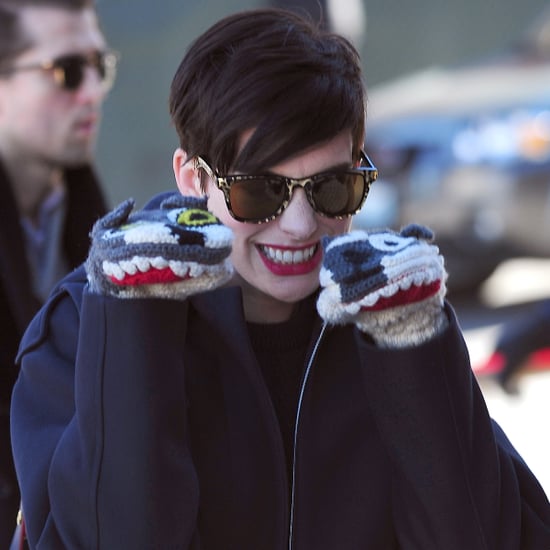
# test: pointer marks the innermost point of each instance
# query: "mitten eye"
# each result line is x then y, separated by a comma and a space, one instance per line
195, 217
386, 242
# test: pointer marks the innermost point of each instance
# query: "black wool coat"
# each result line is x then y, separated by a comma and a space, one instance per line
18, 303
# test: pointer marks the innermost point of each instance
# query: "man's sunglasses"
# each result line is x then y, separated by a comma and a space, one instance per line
259, 199
68, 70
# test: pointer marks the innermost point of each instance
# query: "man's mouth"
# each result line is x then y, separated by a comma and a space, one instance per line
86, 125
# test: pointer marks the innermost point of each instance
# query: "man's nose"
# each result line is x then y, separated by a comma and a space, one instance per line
92, 89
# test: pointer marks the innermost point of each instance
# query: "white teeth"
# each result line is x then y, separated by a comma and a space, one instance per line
131, 267
113, 270
289, 256
181, 269
178, 268
404, 283
140, 264
407, 283
128, 267
159, 263
196, 270
143, 264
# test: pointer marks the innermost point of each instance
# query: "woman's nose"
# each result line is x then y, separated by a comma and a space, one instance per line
299, 218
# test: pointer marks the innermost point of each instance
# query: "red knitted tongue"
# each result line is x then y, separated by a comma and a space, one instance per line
414, 294
153, 276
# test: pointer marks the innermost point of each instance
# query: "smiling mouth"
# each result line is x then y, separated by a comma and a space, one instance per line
286, 256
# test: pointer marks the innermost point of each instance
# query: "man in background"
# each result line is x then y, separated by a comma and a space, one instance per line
55, 70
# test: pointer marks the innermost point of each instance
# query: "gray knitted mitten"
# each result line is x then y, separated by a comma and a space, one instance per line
391, 285
171, 252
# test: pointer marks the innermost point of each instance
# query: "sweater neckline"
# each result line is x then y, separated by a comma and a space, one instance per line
291, 334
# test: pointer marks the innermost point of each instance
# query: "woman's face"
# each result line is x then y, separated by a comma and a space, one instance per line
277, 263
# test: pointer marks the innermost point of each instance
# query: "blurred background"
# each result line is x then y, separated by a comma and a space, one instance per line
396, 38
458, 125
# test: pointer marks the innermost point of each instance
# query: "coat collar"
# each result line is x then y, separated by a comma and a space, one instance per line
85, 203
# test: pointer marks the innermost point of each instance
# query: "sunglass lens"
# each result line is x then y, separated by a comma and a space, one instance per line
338, 194
69, 71
257, 199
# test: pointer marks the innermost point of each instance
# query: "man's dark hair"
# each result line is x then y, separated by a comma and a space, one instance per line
274, 71
13, 40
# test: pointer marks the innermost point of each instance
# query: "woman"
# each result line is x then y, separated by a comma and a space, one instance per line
192, 388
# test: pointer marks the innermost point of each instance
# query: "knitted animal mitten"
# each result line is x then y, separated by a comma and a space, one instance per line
391, 285
174, 251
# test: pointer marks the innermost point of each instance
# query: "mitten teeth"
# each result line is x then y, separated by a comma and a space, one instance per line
159, 262
181, 269
113, 270
159, 252
143, 264
402, 284
371, 299
418, 279
128, 267
137, 263
196, 270
178, 268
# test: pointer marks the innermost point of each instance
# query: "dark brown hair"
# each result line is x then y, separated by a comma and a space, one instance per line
271, 70
13, 40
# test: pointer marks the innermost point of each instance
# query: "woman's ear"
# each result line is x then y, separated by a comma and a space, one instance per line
187, 174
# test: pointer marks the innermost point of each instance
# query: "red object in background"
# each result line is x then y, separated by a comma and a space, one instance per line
538, 360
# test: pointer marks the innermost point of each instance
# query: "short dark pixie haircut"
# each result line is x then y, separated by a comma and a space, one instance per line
13, 40
270, 70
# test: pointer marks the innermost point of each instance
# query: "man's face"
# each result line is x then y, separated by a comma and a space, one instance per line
38, 119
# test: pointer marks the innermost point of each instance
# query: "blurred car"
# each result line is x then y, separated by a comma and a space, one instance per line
466, 151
